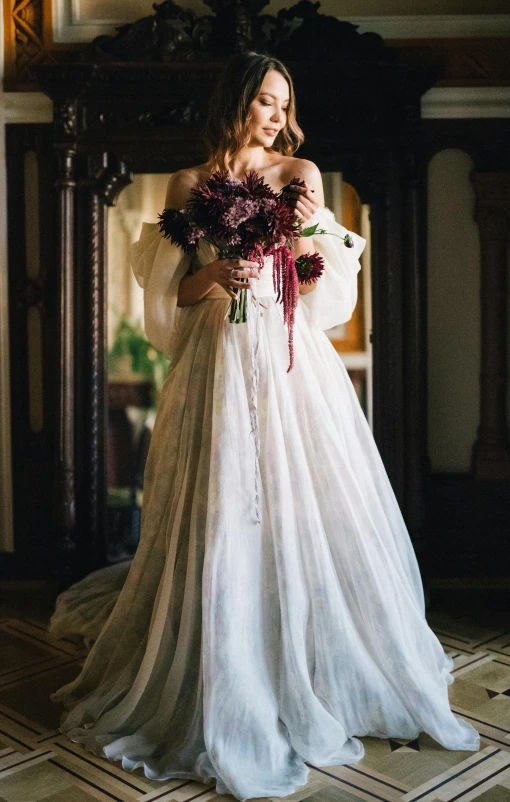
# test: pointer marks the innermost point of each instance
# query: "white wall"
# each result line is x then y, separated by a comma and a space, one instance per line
139, 202
453, 300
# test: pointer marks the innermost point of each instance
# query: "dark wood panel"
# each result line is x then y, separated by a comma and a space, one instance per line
466, 527
33, 453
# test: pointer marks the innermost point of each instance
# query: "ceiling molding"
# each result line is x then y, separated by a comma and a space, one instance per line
454, 102
69, 26
435, 26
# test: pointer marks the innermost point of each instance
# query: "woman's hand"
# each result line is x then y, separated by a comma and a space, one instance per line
302, 198
219, 271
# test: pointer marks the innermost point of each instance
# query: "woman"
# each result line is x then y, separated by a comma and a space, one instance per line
274, 611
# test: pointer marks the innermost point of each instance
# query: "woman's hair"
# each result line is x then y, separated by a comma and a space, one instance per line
227, 129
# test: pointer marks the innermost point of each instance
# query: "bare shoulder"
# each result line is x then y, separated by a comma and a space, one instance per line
303, 168
180, 185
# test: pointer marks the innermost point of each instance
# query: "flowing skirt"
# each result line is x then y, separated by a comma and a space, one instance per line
274, 610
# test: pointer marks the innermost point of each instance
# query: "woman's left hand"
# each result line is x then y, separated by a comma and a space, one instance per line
302, 198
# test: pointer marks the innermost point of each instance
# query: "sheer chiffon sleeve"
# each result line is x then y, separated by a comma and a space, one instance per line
158, 267
334, 298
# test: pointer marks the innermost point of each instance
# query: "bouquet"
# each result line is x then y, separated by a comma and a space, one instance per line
248, 220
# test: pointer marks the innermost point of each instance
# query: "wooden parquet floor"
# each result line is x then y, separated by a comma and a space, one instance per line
38, 764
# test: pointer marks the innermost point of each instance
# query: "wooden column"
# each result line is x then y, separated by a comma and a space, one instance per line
491, 451
104, 177
64, 510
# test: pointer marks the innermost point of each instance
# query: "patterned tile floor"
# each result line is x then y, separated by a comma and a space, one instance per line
37, 763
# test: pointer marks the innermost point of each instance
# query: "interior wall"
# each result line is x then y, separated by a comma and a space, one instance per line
453, 312
140, 202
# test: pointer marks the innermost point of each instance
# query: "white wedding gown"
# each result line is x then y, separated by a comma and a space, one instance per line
274, 611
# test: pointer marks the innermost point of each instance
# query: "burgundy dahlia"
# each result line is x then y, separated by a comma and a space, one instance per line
309, 267
174, 224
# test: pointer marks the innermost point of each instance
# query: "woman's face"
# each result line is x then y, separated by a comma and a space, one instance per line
267, 113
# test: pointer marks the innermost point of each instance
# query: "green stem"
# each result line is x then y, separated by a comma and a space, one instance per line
331, 233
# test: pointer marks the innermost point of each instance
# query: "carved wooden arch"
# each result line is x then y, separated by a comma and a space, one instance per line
134, 102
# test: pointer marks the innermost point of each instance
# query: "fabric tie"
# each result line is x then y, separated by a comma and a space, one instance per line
254, 310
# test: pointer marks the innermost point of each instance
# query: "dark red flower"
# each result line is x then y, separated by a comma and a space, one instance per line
309, 267
175, 225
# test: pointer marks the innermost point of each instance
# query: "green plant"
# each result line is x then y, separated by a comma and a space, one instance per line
146, 361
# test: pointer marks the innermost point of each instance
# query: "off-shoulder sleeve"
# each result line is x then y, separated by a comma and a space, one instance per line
334, 298
158, 267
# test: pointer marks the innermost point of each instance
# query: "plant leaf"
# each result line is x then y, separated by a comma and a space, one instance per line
310, 231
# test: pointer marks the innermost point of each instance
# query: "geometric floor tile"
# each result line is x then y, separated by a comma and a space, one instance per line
497, 793
483, 768
404, 746
38, 764
31, 697
494, 675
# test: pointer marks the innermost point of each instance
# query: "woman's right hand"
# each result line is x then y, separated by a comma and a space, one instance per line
219, 271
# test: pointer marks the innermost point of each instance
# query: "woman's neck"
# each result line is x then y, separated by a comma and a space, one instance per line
256, 158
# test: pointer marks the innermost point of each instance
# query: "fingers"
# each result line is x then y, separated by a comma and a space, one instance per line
243, 269
307, 188
240, 263
249, 273
301, 208
303, 202
233, 283
298, 191
252, 269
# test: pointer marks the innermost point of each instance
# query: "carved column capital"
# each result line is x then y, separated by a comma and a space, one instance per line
65, 118
107, 175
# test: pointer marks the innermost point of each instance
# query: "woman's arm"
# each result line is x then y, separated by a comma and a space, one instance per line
306, 202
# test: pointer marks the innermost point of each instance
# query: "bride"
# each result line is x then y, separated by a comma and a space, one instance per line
273, 613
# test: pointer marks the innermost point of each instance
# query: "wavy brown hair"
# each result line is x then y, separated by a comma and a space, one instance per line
226, 129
